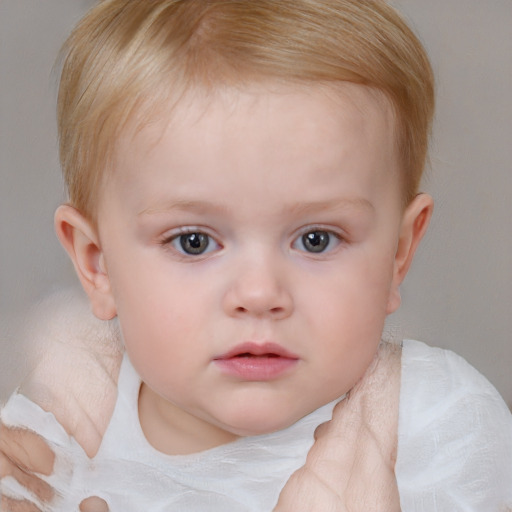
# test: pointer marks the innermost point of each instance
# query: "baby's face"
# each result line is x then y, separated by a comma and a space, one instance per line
250, 246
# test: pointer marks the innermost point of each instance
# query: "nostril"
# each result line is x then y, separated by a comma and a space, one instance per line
269, 302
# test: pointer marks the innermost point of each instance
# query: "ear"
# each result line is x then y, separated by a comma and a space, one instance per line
81, 241
415, 221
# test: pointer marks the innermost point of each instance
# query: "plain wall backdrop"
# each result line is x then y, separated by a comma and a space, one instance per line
459, 292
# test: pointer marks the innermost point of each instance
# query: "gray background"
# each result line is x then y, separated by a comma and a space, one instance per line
459, 292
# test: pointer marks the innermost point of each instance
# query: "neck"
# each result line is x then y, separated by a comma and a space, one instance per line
172, 431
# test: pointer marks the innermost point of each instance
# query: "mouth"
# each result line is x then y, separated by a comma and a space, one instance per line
256, 362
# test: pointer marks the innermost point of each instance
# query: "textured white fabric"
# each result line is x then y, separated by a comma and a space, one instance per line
454, 436
454, 454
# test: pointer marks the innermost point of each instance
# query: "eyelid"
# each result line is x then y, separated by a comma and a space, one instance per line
337, 232
171, 234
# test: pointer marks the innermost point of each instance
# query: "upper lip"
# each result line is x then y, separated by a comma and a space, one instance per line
257, 349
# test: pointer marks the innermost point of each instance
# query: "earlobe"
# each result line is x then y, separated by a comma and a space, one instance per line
80, 240
415, 221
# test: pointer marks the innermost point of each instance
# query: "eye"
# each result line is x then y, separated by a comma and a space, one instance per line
194, 243
317, 241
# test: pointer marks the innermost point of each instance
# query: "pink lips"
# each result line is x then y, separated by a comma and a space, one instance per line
256, 362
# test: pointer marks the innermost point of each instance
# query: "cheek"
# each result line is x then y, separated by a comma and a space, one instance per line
357, 291
348, 309
159, 312
161, 342
349, 332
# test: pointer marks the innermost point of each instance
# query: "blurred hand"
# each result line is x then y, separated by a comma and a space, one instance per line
78, 361
350, 467
22, 454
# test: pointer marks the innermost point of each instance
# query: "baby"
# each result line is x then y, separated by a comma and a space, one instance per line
243, 180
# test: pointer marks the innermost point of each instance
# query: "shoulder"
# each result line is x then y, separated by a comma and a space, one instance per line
455, 434
432, 372
434, 380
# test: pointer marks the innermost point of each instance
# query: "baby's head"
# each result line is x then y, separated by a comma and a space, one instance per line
128, 60
243, 184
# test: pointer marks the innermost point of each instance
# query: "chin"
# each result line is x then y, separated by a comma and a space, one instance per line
261, 423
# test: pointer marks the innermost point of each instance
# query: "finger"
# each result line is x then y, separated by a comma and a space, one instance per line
341, 432
27, 450
30, 482
10, 505
320, 430
94, 504
306, 492
342, 413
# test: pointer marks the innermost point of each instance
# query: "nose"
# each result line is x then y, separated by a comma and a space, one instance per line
258, 289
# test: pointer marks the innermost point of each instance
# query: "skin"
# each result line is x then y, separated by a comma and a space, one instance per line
255, 171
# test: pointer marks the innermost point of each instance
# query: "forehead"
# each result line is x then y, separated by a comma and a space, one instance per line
319, 107
262, 126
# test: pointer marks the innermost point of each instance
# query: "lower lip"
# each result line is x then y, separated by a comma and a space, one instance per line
256, 368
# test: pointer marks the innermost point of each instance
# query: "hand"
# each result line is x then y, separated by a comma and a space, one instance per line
76, 379
351, 464
22, 454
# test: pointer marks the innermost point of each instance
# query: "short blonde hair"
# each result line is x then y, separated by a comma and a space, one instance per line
127, 56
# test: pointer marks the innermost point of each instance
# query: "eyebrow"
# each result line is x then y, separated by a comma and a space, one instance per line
309, 207
200, 207
358, 203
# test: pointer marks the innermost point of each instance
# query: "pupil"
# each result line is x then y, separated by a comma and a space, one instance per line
316, 241
194, 243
